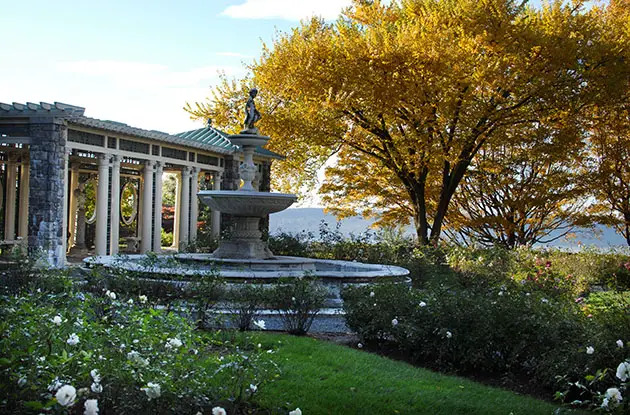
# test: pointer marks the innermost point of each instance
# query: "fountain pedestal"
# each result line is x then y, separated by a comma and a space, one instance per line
246, 205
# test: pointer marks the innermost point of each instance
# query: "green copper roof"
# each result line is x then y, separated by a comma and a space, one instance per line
211, 136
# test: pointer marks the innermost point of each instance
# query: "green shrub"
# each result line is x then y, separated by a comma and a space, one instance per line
298, 300
109, 349
483, 329
245, 303
166, 238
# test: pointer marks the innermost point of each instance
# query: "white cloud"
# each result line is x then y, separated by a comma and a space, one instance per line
286, 9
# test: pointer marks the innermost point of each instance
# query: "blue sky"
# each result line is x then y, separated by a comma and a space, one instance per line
137, 62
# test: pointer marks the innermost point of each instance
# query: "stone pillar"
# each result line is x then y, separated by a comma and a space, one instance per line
216, 215
79, 247
74, 185
157, 219
194, 203
100, 239
265, 186
47, 170
184, 213
231, 181
66, 186
23, 214
11, 183
178, 204
147, 202
114, 232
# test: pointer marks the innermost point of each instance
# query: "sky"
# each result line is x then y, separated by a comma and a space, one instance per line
137, 61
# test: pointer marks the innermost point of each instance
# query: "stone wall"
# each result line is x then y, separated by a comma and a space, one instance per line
46, 198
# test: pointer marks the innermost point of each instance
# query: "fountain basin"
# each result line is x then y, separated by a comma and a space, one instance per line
245, 203
334, 275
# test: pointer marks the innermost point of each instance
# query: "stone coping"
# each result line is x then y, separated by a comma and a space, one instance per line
349, 271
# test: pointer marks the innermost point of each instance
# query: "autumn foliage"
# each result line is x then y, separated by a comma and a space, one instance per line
434, 107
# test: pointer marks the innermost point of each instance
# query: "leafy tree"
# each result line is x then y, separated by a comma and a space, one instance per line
519, 194
418, 88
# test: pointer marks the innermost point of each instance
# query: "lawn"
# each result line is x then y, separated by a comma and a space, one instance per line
325, 378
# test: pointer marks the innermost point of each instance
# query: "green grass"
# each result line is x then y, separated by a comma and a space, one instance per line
325, 378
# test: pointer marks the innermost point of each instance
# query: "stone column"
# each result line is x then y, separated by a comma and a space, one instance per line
157, 219
24, 188
114, 232
147, 201
100, 239
178, 204
79, 247
216, 215
11, 183
184, 213
47, 147
72, 225
194, 203
66, 186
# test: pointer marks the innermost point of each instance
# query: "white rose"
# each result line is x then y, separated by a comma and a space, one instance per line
217, 410
66, 395
152, 390
296, 411
57, 320
590, 350
623, 371
422, 304
142, 298
613, 394
173, 343
619, 343
394, 323
73, 339
91, 407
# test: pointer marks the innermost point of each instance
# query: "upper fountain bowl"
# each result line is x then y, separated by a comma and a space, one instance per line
250, 204
248, 139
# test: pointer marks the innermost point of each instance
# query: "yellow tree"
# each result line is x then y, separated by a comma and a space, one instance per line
522, 192
418, 87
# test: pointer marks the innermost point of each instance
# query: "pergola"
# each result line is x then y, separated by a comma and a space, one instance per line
50, 153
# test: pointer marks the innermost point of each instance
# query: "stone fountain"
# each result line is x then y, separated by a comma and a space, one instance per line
244, 257
246, 205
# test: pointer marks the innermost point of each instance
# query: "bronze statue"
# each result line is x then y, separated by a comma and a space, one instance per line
252, 114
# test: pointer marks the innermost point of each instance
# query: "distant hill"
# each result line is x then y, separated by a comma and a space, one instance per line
309, 220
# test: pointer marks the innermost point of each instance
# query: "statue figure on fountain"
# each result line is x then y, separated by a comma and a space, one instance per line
252, 114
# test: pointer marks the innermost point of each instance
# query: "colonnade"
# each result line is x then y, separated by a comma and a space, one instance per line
150, 210
17, 168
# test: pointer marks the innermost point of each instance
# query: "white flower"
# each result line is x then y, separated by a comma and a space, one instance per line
360, 345
422, 304
57, 320
130, 301
297, 411
152, 390
590, 350
66, 395
260, 324
619, 343
73, 339
173, 343
95, 375
623, 371
135, 357
449, 334
372, 294
293, 299
544, 300
111, 294
96, 387
91, 407
55, 385
394, 323
21, 382
143, 299
605, 403
253, 388
613, 394
217, 410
